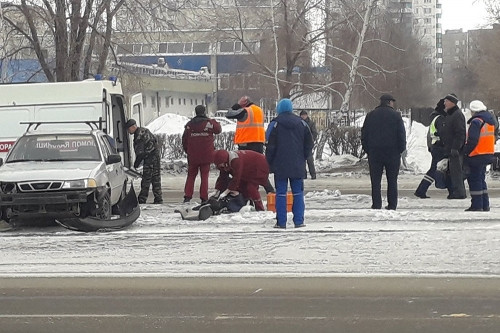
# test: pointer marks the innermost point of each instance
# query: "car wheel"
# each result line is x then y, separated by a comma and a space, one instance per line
103, 210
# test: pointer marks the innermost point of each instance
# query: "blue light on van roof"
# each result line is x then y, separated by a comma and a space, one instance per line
98, 77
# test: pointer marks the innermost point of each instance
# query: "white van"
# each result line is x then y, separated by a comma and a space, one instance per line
89, 100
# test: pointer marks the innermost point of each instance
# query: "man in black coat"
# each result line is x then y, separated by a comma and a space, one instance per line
383, 138
314, 132
453, 137
435, 146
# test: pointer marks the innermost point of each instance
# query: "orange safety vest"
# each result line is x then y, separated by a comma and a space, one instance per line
252, 129
486, 143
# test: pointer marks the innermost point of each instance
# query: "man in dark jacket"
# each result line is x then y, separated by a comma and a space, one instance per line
435, 146
453, 137
479, 151
383, 138
198, 143
146, 149
242, 172
314, 132
289, 144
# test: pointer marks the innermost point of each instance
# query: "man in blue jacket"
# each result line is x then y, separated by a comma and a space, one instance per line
289, 144
479, 150
383, 138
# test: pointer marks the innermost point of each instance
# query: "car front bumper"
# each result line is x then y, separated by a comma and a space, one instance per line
44, 202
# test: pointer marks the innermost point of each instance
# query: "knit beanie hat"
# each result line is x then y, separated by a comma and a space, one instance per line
476, 106
130, 123
220, 157
452, 98
285, 105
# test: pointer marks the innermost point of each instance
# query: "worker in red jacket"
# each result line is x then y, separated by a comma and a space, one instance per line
198, 143
241, 171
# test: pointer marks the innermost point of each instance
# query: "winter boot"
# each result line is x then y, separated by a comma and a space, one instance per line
476, 202
486, 202
421, 191
4, 226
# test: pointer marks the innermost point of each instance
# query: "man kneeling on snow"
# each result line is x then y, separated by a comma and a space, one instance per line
242, 172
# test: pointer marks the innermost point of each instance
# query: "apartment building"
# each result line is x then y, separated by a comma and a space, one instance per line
422, 19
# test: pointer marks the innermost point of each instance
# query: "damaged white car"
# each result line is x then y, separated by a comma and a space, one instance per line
76, 176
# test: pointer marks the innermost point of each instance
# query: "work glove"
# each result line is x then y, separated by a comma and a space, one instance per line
214, 194
224, 194
454, 153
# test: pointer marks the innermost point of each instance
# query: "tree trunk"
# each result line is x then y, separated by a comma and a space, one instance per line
344, 108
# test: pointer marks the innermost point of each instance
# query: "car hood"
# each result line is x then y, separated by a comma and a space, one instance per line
22, 171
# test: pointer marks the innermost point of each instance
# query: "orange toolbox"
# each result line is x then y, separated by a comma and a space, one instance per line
271, 201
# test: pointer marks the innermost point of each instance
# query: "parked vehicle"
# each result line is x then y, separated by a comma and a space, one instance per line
75, 176
90, 100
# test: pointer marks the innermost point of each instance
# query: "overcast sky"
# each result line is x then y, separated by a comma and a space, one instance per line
465, 14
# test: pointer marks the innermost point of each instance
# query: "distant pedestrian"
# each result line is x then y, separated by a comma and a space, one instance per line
146, 150
383, 138
198, 143
289, 144
453, 137
241, 171
435, 146
314, 132
479, 152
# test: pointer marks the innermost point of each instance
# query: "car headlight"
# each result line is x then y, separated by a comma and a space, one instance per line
80, 183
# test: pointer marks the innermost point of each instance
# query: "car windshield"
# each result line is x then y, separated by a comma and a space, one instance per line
55, 147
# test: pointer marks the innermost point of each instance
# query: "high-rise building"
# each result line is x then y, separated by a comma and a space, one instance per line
422, 19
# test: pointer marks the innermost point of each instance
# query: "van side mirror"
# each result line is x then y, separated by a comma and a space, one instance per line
113, 158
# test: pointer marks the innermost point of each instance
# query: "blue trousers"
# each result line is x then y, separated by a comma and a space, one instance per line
477, 183
298, 206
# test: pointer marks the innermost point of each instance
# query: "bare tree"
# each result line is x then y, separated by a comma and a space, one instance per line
69, 36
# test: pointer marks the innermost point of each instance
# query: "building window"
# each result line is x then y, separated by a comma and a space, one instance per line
137, 48
175, 48
167, 102
153, 101
237, 81
144, 101
180, 101
184, 100
224, 82
201, 47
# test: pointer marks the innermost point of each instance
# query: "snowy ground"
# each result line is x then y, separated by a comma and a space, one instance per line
343, 237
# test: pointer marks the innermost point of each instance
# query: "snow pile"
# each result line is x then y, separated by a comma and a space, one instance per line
168, 124
418, 157
174, 124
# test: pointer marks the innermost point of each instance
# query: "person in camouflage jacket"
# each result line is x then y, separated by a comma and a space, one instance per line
146, 151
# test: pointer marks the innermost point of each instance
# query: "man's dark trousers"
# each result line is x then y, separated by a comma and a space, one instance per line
378, 159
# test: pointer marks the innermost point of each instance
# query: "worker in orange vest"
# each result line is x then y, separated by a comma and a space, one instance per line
250, 132
479, 151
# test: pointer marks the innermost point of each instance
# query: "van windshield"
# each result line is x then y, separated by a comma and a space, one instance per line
55, 147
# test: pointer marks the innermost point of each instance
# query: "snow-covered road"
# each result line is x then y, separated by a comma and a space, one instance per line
342, 237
